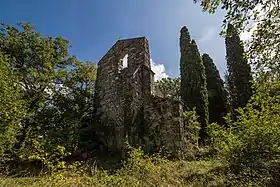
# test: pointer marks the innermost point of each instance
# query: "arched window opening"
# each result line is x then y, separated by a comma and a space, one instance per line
124, 61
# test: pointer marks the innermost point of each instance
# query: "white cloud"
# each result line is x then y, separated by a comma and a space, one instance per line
159, 70
208, 35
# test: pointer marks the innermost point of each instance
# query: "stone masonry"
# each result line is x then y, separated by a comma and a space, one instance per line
127, 105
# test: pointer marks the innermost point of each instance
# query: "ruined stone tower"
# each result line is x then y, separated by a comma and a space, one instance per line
127, 105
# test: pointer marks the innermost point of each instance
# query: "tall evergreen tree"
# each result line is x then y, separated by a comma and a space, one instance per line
193, 80
217, 96
239, 71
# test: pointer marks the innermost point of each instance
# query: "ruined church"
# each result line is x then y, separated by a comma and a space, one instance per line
128, 106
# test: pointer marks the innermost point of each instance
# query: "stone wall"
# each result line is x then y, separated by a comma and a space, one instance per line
164, 120
125, 105
120, 91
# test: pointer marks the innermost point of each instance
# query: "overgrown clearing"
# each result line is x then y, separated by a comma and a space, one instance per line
143, 173
217, 133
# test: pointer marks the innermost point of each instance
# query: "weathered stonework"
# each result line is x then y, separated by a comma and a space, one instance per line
163, 117
127, 105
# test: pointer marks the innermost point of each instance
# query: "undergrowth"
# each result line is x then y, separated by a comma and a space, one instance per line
137, 170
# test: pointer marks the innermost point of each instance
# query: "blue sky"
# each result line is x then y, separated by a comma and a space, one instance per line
93, 26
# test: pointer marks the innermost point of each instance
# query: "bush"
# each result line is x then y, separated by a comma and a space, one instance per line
138, 170
51, 161
251, 145
191, 134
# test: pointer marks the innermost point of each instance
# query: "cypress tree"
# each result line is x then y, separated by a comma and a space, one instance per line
193, 80
239, 71
217, 95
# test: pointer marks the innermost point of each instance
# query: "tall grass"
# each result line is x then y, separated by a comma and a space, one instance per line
137, 170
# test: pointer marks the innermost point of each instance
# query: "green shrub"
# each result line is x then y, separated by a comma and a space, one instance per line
251, 145
191, 134
138, 170
51, 161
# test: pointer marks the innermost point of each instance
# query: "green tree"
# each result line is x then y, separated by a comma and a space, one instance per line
193, 80
168, 87
239, 71
262, 19
226, 86
67, 116
56, 88
38, 63
251, 145
11, 107
217, 95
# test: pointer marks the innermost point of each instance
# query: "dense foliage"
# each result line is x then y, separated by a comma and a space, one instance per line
239, 71
193, 80
168, 87
12, 108
46, 111
138, 170
261, 18
47, 94
217, 95
251, 144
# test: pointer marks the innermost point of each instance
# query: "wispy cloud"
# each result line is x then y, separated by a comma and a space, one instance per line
208, 34
159, 70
